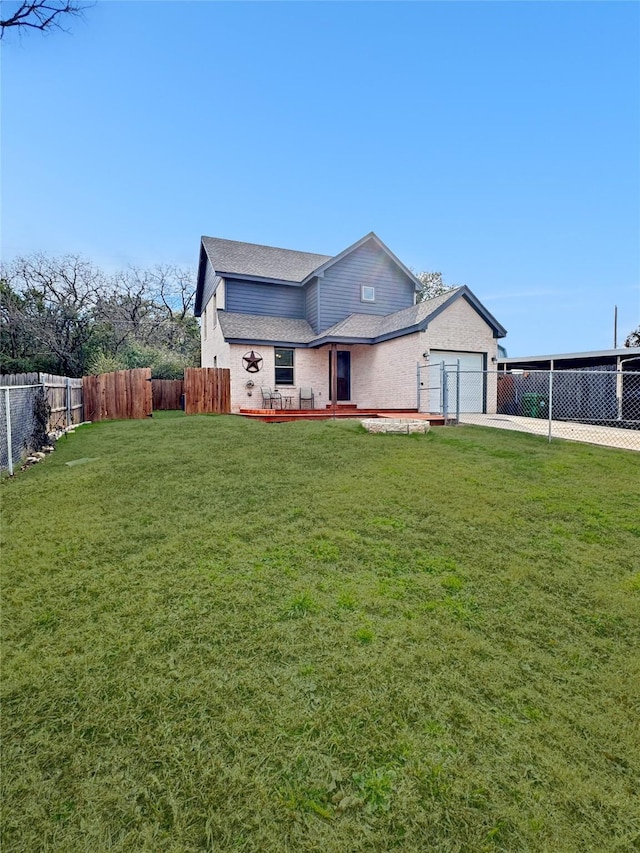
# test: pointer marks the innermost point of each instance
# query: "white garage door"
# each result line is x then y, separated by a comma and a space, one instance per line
471, 380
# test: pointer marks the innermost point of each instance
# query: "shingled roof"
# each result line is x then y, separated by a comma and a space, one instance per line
232, 256
259, 328
356, 328
372, 326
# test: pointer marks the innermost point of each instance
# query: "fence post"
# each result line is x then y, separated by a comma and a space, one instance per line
619, 388
445, 392
7, 407
550, 401
458, 392
68, 400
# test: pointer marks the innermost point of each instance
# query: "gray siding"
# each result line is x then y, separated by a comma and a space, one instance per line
311, 312
211, 281
273, 300
340, 287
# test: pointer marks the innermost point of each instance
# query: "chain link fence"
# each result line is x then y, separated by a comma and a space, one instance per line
32, 404
19, 427
595, 406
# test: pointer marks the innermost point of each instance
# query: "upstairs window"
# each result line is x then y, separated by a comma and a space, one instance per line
367, 293
284, 366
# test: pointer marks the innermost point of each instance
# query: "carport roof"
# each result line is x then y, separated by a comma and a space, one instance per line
591, 358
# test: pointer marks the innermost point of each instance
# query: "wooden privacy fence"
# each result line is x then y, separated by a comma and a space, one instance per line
10, 379
64, 395
65, 398
127, 394
121, 395
167, 394
207, 390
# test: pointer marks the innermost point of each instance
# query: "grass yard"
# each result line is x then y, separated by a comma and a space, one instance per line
231, 636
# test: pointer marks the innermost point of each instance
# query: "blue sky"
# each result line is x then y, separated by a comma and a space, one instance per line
495, 142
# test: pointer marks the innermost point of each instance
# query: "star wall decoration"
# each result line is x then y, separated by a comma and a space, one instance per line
252, 362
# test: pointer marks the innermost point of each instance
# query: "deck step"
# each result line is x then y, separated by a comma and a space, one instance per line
344, 412
343, 406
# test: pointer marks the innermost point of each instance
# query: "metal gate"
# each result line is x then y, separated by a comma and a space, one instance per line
439, 388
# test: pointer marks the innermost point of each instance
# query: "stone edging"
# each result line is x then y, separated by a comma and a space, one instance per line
396, 426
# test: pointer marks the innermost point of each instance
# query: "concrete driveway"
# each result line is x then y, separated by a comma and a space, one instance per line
626, 439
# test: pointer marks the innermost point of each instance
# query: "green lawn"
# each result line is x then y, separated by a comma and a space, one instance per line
230, 636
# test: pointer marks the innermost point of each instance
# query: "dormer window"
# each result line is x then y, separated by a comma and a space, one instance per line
367, 293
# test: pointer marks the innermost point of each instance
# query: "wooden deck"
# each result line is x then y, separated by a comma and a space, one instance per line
279, 416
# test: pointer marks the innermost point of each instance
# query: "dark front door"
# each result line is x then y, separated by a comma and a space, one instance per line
343, 373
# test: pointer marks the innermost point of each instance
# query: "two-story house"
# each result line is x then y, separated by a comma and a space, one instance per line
283, 319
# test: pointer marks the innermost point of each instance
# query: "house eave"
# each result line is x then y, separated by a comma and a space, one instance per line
256, 279
197, 307
376, 339
267, 342
400, 333
338, 339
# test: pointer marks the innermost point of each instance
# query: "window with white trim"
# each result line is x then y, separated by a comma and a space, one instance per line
367, 293
284, 366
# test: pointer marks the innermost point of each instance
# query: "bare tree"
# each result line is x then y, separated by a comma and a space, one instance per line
169, 286
125, 313
52, 302
170, 292
64, 315
39, 14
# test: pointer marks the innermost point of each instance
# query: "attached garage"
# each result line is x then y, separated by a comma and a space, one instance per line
472, 379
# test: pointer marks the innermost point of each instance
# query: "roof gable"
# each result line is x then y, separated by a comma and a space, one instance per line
371, 236
499, 330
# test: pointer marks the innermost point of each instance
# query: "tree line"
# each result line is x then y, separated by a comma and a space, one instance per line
65, 315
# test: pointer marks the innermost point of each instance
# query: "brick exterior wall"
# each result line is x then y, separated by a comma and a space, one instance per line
382, 376
385, 375
310, 370
214, 350
461, 328
212, 343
